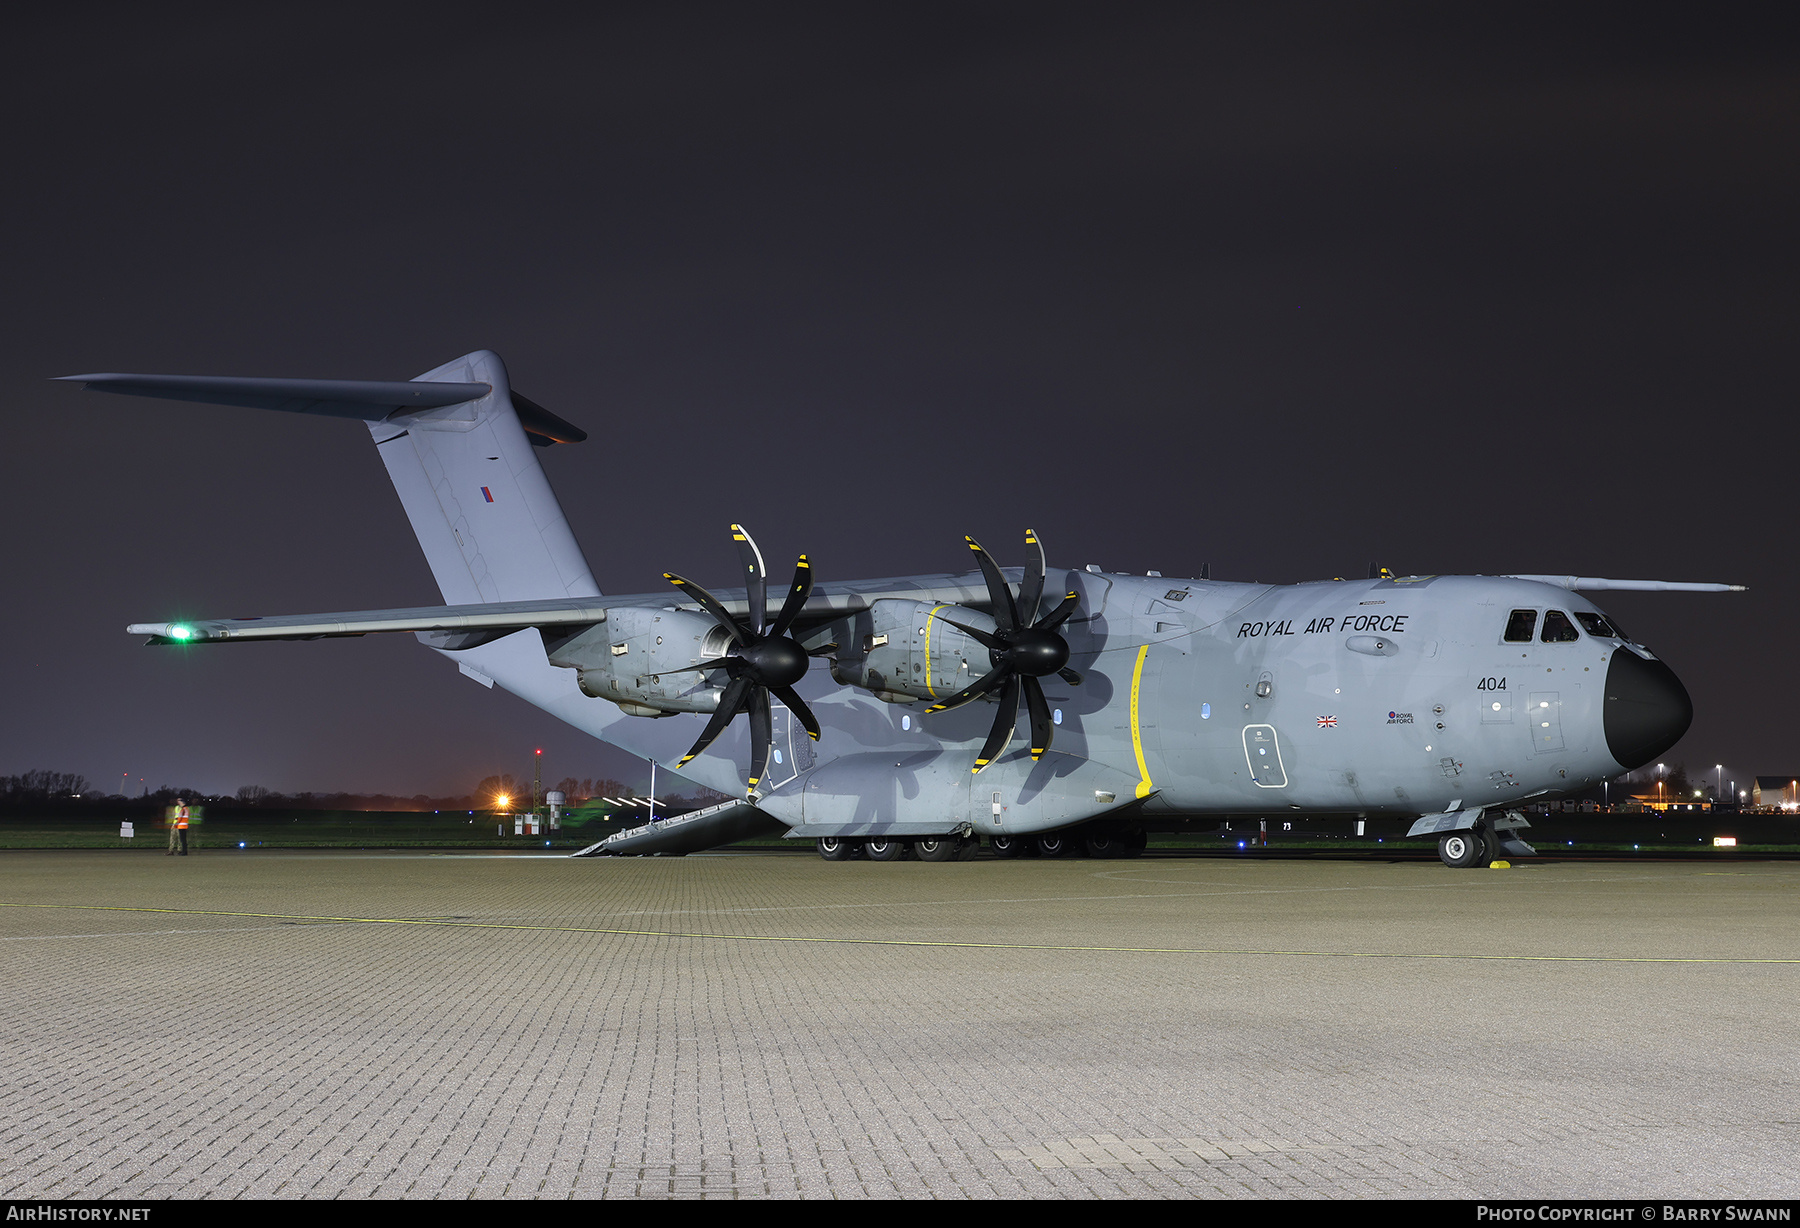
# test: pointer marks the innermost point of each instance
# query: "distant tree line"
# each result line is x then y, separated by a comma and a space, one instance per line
39, 791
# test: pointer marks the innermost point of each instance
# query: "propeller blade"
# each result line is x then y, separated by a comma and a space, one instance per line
762, 733
1031, 588
1060, 614
975, 690
985, 638
797, 706
1005, 613
756, 579
1006, 721
711, 605
729, 703
796, 598
1072, 677
1042, 727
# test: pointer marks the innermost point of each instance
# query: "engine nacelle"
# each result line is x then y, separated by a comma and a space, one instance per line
627, 658
906, 651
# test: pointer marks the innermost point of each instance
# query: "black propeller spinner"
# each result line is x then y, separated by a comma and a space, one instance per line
762, 658
1021, 651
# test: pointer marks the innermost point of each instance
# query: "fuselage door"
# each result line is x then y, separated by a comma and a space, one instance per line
1262, 751
1544, 714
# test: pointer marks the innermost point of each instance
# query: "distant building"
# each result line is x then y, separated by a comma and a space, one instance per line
1775, 791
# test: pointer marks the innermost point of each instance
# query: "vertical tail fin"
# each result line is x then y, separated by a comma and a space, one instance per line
484, 513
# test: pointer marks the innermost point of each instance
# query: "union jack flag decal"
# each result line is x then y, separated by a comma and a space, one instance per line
1328, 722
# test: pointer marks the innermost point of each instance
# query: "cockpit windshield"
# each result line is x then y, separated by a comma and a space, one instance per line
1558, 629
1520, 626
1594, 624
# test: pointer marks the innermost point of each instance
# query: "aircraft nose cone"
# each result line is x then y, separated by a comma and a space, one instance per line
1646, 709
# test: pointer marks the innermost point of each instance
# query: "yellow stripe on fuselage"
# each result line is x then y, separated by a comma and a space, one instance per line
1137, 736
928, 618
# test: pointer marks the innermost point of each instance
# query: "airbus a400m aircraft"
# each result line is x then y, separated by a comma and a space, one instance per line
1444, 701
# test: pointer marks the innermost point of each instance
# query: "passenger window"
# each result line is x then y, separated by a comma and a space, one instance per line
1558, 629
1593, 624
1520, 626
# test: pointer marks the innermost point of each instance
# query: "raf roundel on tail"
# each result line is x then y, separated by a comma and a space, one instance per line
1442, 701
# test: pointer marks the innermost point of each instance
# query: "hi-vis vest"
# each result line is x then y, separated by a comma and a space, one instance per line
181, 818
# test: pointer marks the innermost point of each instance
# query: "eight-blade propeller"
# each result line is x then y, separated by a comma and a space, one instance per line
761, 660
1021, 651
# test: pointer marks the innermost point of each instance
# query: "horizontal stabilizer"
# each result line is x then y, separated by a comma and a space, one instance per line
1594, 584
368, 400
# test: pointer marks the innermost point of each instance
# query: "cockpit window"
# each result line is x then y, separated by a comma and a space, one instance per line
1558, 629
1594, 624
1520, 626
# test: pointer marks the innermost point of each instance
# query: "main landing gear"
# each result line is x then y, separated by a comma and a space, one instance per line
1127, 843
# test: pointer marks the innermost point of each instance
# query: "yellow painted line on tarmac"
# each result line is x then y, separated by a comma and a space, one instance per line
920, 942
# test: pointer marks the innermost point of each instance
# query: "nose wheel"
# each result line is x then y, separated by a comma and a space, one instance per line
1462, 850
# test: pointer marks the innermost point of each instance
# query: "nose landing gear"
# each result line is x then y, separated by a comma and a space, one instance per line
1461, 850
1483, 840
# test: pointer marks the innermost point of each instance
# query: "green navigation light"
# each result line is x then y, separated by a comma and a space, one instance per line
180, 633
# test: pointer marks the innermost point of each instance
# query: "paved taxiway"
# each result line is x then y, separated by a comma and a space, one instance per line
324, 1024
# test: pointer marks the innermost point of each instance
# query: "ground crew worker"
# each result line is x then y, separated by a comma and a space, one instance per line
174, 831
181, 822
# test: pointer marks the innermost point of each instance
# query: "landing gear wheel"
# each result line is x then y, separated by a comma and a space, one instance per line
883, 848
836, 848
1462, 849
937, 848
1055, 846
1117, 844
1006, 846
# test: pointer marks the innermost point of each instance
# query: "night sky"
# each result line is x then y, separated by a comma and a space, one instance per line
1285, 292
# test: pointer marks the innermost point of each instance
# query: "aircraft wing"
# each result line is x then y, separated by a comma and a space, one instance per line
828, 603
1595, 584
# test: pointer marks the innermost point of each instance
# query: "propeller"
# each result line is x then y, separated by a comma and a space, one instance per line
762, 659
1020, 649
